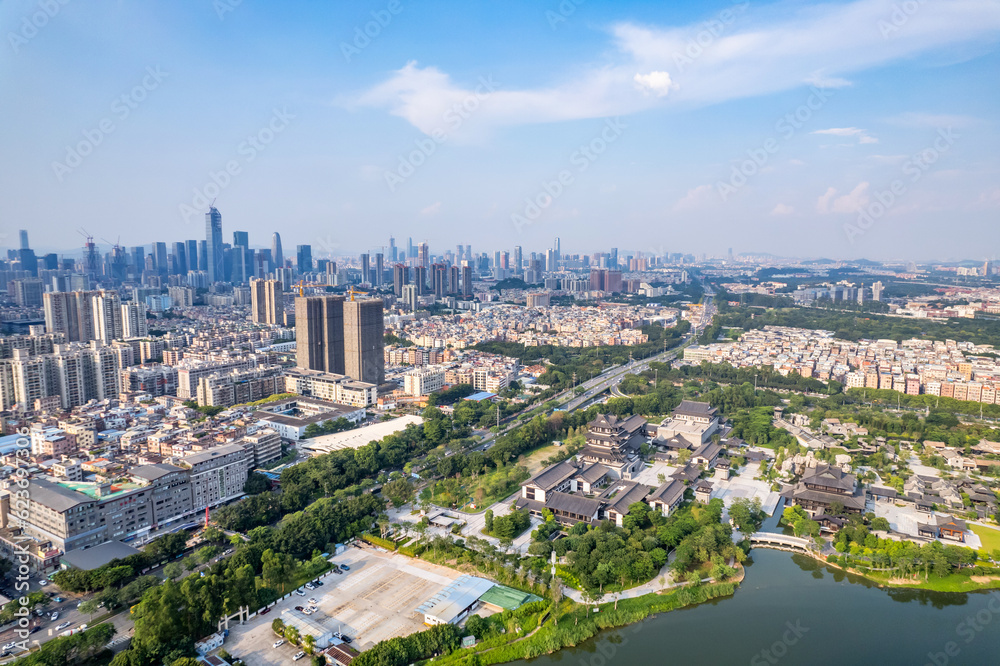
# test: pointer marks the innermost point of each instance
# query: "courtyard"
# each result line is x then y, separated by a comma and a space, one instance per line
373, 601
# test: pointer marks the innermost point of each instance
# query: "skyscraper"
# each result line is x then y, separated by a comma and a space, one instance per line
518, 259
160, 258
400, 277
364, 340
203, 256
423, 255
191, 250
304, 258
242, 257
24, 239
420, 279
393, 251
365, 277
276, 256
180, 258
379, 268
439, 276
613, 259
453, 287
213, 239
266, 302
557, 246
319, 333
467, 280
139, 260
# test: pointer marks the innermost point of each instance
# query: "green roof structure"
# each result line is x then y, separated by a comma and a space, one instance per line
507, 597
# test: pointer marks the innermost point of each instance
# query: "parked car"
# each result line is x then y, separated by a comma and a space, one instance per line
314, 609
306, 611
312, 601
9, 646
63, 626
264, 611
337, 571
310, 586
43, 582
54, 616
346, 639
298, 655
345, 567
300, 592
58, 600
278, 644
298, 608
318, 583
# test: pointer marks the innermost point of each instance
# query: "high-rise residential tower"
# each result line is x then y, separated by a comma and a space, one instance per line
319, 333
266, 301
364, 340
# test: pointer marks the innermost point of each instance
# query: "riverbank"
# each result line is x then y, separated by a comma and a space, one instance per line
951, 583
792, 609
571, 624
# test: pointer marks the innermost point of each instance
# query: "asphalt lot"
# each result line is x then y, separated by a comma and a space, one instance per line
373, 601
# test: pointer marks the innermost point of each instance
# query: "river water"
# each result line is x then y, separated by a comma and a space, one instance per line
791, 609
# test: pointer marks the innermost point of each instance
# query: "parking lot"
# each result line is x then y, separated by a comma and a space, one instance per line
373, 601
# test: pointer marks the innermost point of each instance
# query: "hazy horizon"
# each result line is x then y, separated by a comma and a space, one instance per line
846, 130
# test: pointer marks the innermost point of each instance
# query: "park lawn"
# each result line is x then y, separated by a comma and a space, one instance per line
535, 460
496, 486
989, 536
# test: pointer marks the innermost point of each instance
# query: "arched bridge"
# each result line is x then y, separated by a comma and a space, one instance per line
780, 542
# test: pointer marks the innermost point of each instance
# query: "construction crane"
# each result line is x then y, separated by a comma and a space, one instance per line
352, 292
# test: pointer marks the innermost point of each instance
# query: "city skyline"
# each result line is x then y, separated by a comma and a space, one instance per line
663, 120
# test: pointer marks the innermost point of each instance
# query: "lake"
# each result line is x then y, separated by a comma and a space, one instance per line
792, 609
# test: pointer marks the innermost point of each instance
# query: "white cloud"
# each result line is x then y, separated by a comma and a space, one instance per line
762, 51
658, 83
862, 135
695, 198
431, 210
851, 202
782, 209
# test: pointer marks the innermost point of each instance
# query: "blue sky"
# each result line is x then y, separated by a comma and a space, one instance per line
640, 125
